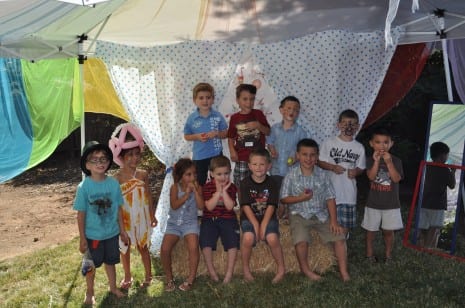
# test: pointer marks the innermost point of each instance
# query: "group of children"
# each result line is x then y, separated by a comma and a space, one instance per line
276, 168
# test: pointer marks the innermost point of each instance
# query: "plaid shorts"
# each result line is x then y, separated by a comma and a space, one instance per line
241, 171
347, 215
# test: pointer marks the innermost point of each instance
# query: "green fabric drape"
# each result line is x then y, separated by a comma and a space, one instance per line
54, 93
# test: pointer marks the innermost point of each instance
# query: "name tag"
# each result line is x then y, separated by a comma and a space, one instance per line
249, 144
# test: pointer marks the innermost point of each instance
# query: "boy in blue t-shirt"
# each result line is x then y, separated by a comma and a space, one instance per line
284, 137
99, 202
205, 127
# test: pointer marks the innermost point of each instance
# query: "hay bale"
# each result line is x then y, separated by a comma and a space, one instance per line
321, 257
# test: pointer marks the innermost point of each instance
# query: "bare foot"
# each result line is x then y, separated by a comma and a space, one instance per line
227, 278
248, 277
313, 276
277, 278
345, 277
89, 299
117, 293
214, 277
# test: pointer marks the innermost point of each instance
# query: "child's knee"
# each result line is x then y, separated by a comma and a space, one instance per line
248, 239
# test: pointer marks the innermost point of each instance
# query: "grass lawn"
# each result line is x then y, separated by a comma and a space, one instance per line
52, 278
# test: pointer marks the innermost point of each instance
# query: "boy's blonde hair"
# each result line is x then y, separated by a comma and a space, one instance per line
203, 87
261, 152
219, 162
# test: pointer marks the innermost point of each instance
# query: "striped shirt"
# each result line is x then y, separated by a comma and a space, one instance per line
219, 211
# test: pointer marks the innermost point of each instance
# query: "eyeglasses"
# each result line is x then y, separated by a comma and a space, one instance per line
101, 160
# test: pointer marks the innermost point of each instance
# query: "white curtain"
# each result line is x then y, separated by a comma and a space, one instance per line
155, 86
328, 71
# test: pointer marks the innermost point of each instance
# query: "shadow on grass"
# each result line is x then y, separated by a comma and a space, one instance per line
72, 286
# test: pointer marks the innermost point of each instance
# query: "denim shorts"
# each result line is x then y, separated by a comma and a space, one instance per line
213, 228
183, 229
104, 251
272, 227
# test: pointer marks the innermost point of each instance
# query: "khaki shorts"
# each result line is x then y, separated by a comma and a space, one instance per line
390, 220
301, 227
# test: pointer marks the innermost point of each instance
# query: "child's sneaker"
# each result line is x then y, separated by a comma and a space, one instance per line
388, 260
372, 259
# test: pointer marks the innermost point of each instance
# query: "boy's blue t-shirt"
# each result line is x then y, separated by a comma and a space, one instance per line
285, 143
196, 124
100, 201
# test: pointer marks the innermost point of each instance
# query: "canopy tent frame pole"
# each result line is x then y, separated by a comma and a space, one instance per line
437, 19
97, 35
81, 59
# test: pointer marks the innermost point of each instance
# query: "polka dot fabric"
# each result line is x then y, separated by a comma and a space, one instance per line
155, 86
328, 71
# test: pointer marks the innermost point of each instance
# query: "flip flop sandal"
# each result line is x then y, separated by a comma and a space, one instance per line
146, 283
185, 286
170, 286
125, 285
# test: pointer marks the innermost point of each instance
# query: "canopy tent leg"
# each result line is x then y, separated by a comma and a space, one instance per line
445, 59
82, 58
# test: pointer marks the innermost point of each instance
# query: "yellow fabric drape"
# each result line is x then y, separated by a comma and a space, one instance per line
99, 93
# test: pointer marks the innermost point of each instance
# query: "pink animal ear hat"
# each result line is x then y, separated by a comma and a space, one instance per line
119, 143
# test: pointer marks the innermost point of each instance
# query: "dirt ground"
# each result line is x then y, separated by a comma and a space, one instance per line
36, 208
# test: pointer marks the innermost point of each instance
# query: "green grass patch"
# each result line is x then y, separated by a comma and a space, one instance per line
52, 278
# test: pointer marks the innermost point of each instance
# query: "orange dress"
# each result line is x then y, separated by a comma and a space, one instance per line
136, 213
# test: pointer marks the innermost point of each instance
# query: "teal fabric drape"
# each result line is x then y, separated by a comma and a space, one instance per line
16, 128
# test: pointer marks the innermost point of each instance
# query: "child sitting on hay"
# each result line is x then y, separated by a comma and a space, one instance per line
308, 192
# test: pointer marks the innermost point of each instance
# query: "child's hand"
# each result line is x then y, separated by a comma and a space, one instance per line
192, 186
387, 157
83, 245
154, 222
352, 173
234, 157
124, 237
307, 194
336, 228
225, 187
338, 169
203, 137
377, 155
273, 152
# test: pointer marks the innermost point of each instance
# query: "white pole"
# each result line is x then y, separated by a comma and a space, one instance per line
445, 58
81, 58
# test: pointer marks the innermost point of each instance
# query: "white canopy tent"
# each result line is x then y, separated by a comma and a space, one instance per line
36, 29
40, 29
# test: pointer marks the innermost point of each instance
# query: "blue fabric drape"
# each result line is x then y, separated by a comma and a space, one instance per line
15, 122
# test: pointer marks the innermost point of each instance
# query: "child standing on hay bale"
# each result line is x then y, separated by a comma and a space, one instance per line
205, 127
138, 210
100, 220
344, 157
284, 136
246, 132
384, 171
309, 194
259, 197
185, 198
219, 218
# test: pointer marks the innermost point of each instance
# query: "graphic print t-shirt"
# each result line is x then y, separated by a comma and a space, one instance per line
246, 139
259, 196
384, 194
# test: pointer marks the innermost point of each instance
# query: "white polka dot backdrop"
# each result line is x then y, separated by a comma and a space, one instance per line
328, 72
